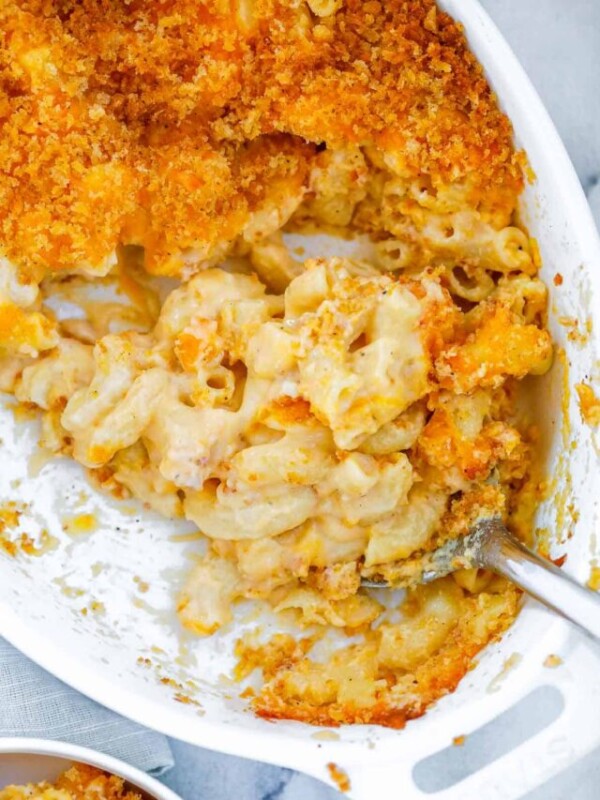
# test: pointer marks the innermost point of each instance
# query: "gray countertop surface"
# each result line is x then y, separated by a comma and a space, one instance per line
558, 43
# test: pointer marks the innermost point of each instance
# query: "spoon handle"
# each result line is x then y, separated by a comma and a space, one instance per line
543, 580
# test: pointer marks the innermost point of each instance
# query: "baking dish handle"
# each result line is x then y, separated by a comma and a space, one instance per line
573, 734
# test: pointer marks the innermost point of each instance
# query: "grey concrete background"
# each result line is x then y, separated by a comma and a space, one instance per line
558, 42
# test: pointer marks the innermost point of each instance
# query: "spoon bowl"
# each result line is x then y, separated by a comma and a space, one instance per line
489, 545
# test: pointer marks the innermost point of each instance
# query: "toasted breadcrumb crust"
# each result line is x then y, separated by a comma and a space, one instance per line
359, 685
167, 124
80, 782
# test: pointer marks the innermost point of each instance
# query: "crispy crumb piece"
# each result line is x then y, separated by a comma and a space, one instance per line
458, 741
578, 331
589, 404
10, 514
15, 542
80, 782
552, 661
185, 699
339, 776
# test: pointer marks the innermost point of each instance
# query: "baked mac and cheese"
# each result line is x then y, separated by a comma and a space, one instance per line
80, 782
318, 420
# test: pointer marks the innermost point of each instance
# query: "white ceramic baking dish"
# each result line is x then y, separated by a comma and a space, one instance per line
129, 656
35, 760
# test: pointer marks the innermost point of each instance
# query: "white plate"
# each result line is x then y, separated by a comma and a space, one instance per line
120, 654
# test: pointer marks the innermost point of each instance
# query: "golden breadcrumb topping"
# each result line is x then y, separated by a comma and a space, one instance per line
80, 782
168, 124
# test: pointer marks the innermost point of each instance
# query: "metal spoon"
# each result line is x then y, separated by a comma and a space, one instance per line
489, 545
